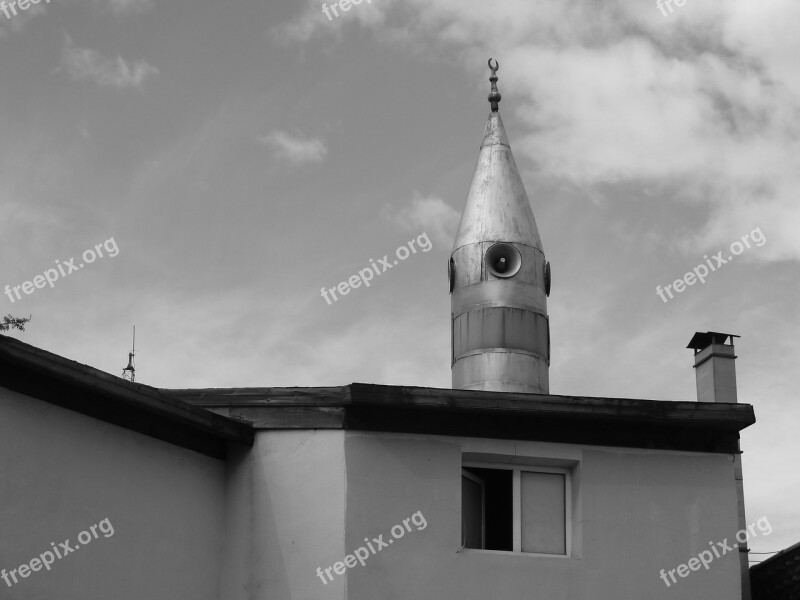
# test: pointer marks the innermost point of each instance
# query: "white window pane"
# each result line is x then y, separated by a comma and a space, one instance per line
471, 512
542, 513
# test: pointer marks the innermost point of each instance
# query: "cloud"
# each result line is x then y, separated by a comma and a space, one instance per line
430, 214
17, 22
84, 63
122, 7
701, 105
313, 21
118, 7
294, 149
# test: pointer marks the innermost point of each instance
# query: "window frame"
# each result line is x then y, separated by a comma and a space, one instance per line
516, 503
482, 484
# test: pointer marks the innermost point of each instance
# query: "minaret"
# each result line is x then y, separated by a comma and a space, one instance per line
499, 278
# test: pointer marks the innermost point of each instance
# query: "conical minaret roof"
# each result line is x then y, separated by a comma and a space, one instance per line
497, 207
499, 277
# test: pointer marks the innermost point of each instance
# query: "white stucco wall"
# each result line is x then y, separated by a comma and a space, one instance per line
635, 512
285, 517
61, 472
317, 494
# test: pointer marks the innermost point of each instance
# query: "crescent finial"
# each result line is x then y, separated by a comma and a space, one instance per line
494, 96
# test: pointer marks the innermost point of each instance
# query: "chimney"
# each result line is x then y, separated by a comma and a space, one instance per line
714, 363
715, 367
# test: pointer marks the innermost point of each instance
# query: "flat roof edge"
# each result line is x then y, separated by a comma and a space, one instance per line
138, 397
661, 424
730, 416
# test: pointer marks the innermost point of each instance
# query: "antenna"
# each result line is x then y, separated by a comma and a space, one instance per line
129, 372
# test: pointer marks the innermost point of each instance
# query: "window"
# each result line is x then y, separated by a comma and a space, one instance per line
515, 509
473, 505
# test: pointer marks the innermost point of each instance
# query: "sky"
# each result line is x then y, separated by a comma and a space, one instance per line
214, 165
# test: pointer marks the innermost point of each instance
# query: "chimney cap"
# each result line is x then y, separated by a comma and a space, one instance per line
702, 340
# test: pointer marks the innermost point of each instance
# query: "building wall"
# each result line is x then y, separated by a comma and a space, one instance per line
635, 512
316, 495
285, 516
62, 472
186, 526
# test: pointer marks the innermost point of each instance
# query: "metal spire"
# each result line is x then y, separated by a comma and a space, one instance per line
494, 96
129, 372
499, 277
497, 206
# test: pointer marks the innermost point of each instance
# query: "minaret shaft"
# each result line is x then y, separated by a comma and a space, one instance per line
500, 328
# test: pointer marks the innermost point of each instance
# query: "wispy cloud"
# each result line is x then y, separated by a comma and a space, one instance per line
431, 214
296, 150
312, 21
704, 104
21, 18
117, 7
87, 64
122, 7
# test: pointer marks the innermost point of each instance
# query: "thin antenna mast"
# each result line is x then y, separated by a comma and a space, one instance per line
129, 372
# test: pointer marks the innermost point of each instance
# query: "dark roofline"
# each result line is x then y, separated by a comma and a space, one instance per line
142, 408
694, 426
785, 555
206, 419
777, 577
